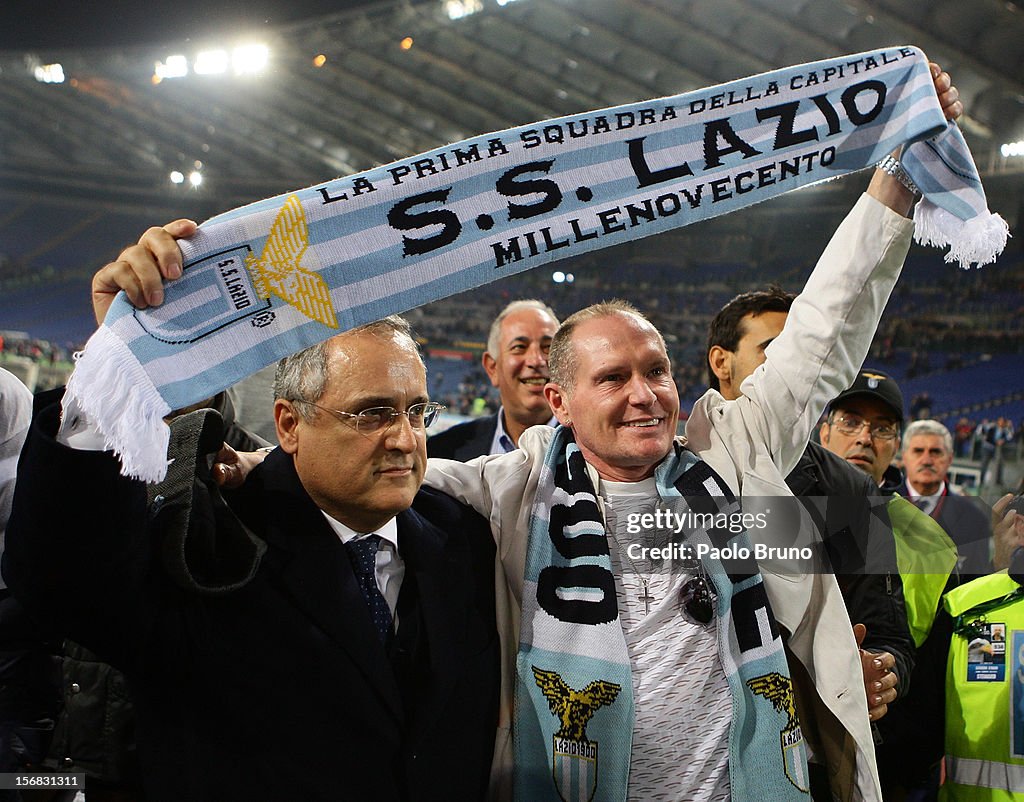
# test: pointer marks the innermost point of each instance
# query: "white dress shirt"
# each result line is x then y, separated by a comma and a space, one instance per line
389, 568
926, 503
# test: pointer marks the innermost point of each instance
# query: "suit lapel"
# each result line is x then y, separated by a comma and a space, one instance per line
423, 548
315, 568
480, 444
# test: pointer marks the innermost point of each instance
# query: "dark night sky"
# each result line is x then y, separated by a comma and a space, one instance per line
32, 24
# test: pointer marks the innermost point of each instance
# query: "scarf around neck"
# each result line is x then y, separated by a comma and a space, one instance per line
573, 723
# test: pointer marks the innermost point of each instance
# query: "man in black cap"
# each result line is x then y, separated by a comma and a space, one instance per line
863, 426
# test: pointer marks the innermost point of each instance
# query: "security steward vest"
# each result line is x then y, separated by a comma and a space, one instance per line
925, 555
985, 692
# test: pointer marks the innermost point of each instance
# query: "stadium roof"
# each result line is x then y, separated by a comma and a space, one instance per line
397, 78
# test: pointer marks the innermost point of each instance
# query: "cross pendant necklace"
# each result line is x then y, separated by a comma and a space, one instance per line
646, 597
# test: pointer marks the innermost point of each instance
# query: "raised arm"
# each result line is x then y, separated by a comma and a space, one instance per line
886, 187
831, 324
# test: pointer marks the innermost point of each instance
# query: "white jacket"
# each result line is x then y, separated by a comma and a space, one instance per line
752, 443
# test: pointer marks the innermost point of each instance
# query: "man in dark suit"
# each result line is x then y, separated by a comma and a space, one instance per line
927, 455
353, 655
516, 362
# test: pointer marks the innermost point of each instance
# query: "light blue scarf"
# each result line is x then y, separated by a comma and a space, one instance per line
574, 701
268, 279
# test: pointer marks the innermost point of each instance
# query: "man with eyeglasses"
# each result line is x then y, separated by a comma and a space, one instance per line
327, 634
863, 427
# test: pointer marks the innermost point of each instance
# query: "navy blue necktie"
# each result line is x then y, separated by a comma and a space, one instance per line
363, 553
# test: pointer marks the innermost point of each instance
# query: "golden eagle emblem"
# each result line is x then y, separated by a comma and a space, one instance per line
778, 690
278, 270
574, 708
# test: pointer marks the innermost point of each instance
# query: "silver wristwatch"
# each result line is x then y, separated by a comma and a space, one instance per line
891, 165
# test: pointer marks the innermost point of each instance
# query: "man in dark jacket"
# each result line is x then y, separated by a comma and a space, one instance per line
843, 501
270, 655
863, 427
927, 455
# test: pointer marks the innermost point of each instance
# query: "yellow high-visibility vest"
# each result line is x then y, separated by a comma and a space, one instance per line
985, 692
925, 555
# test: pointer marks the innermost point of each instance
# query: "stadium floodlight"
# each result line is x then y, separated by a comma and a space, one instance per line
1012, 149
211, 62
457, 9
249, 59
195, 178
558, 277
175, 66
49, 73
177, 177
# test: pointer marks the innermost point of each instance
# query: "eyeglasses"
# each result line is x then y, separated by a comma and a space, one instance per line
379, 419
853, 424
698, 597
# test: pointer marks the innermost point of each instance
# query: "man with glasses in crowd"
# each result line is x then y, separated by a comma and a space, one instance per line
863, 427
354, 655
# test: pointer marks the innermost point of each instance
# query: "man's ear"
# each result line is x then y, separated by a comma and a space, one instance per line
720, 361
490, 367
823, 432
559, 403
286, 421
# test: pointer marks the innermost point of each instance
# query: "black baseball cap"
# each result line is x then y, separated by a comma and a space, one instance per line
875, 384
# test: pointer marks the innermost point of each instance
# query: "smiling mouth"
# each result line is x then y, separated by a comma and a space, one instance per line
642, 424
535, 381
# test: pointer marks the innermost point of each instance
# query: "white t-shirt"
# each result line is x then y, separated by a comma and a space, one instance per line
682, 702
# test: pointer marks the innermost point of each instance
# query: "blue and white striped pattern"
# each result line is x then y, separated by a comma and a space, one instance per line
213, 331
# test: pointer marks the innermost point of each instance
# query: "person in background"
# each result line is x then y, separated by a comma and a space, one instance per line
516, 362
984, 694
927, 457
859, 542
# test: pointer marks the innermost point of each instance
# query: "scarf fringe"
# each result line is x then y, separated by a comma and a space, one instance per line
120, 399
974, 242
